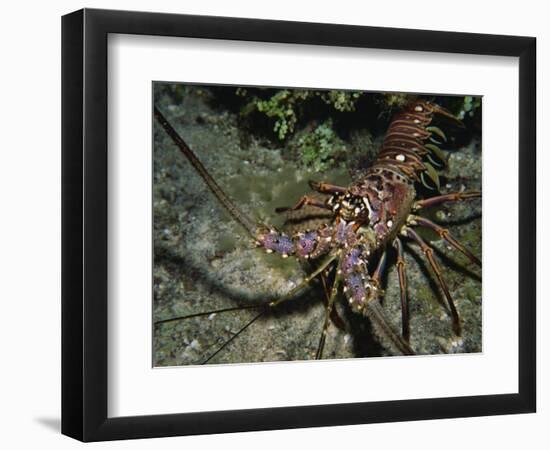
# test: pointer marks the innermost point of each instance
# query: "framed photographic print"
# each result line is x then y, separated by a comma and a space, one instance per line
342, 226
266, 224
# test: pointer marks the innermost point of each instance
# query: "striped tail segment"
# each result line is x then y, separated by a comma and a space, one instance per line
410, 145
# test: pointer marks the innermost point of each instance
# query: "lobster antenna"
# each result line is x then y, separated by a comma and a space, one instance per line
207, 313
248, 224
235, 336
375, 313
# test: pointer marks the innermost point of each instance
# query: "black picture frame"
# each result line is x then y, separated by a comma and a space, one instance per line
84, 224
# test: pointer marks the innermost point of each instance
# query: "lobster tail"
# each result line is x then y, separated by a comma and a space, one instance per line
411, 144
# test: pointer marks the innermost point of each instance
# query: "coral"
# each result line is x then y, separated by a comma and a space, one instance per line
282, 106
388, 103
288, 107
343, 101
319, 149
394, 101
469, 107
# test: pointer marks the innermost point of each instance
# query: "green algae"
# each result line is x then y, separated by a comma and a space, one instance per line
319, 149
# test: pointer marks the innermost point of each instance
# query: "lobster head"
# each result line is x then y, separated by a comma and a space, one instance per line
349, 207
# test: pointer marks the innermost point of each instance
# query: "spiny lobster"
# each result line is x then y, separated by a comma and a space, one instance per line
378, 210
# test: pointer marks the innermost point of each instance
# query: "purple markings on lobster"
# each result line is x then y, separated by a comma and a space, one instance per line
345, 232
306, 243
359, 287
353, 258
355, 289
277, 242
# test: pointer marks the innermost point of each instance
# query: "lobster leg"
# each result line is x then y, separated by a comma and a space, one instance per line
444, 234
428, 251
453, 197
402, 285
318, 186
334, 316
381, 266
328, 313
304, 201
326, 188
403, 288
377, 317
357, 285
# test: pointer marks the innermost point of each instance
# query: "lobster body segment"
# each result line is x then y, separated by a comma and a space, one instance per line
387, 188
388, 196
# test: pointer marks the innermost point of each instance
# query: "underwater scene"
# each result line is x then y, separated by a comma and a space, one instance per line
302, 224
